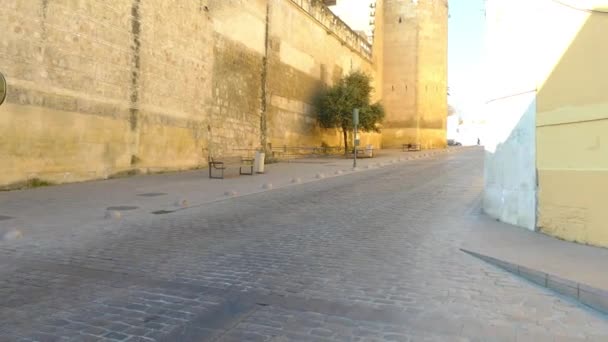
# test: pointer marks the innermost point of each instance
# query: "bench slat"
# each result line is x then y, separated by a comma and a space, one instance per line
223, 163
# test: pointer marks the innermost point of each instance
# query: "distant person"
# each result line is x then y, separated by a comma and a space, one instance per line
478, 141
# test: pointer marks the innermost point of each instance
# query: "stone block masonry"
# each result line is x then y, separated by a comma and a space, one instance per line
414, 63
98, 88
101, 88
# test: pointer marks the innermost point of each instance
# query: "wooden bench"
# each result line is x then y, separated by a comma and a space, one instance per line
411, 147
226, 162
364, 152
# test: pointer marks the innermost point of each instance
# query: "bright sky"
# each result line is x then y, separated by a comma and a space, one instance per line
356, 13
465, 53
466, 39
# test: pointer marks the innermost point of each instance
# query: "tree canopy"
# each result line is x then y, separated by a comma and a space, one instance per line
335, 107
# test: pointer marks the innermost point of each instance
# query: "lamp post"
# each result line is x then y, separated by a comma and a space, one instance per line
355, 140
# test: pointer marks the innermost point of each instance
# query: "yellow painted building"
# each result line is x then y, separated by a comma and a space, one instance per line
553, 58
572, 126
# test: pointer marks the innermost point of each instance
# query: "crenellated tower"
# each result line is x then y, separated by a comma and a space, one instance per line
413, 64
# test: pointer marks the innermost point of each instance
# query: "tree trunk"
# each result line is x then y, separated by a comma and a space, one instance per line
345, 140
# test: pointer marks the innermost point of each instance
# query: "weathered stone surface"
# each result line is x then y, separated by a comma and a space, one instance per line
98, 89
414, 63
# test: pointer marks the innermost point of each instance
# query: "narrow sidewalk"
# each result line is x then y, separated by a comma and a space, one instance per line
572, 269
79, 208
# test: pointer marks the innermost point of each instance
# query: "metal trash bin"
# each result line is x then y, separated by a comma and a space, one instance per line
258, 163
369, 151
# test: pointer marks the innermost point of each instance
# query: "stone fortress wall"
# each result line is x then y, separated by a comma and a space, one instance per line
98, 88
414, 72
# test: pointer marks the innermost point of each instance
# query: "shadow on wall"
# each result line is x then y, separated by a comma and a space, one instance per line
545, 166
509, 171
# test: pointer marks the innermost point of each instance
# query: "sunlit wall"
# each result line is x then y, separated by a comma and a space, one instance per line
546, 166
572, 124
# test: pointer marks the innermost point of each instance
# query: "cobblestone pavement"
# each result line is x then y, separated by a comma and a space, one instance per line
370, 256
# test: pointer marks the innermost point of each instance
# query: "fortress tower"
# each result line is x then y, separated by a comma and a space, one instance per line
413, 37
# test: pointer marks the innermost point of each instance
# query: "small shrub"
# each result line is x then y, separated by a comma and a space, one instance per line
28, 184
123, 174
37, 183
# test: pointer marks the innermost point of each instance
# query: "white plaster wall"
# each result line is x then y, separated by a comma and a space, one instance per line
509, 136
510, 160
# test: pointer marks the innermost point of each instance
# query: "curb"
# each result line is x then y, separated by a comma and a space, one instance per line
228, 195
231, 194
588, 295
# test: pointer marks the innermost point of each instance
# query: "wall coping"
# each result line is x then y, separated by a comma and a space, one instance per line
317, 10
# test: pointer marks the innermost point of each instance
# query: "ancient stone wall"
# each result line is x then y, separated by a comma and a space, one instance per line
308, 48
238, 53
98, 87
414, 72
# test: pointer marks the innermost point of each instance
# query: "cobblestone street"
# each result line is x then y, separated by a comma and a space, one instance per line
367, 256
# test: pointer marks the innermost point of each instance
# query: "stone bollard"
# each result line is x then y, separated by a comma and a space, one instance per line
181, 203
10, 235
113, 214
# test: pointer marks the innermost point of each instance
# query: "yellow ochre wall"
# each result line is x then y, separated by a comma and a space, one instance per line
572, 124
308, 48
98, 88
414, 74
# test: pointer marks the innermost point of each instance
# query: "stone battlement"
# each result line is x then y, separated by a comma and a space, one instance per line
335, 26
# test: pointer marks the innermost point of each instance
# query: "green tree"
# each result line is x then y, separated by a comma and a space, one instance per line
336, 104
